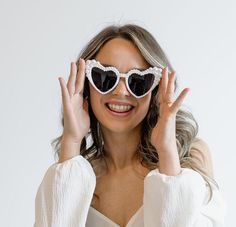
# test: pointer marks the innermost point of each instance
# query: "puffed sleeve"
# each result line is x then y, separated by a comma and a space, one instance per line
181, 201
65, 193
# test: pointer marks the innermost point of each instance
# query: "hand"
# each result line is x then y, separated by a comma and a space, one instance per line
163, 136
76, 117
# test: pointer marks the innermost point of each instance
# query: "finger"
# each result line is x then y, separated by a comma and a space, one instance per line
159, 92
170, 88
72, 78
158, 95
176, 105
164, 83
64, 91
79, 86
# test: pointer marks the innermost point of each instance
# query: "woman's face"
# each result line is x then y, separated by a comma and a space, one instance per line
112, 109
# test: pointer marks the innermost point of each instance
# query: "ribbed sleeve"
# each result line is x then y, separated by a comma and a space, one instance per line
64, 196
181, 201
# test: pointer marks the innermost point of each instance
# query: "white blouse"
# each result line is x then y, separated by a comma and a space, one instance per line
64, 196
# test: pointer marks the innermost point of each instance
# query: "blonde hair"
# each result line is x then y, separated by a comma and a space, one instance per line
186, 125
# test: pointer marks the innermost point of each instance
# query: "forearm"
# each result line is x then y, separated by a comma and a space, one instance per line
65, 194
181, 201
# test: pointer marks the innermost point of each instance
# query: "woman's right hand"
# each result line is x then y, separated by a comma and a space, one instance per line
75, 108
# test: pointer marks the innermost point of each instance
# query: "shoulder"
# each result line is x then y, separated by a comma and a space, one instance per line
200, 151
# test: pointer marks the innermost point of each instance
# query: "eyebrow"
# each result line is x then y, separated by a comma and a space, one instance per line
107, 65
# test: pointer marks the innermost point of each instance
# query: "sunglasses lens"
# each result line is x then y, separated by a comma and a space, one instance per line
103, 80
140, 85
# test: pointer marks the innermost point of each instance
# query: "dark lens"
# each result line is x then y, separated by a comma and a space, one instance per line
139, 85
103, 80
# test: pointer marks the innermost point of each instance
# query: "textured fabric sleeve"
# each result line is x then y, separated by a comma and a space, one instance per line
181, 201
65, 193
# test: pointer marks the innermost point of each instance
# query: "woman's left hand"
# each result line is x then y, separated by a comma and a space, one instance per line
163, 136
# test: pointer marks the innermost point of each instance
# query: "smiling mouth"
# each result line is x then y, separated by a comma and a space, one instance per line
119, 108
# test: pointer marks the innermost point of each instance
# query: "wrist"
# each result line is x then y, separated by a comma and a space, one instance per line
167, 150
69, 149
169, 163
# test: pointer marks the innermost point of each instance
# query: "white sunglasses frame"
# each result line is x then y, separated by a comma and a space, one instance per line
156, 71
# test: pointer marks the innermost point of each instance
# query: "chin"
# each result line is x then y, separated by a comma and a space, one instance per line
119, 127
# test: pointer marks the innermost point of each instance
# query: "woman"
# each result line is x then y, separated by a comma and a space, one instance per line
145, 165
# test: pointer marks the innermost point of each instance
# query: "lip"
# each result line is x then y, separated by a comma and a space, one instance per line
119, 114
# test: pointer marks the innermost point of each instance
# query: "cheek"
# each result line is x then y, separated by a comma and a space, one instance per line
145, 102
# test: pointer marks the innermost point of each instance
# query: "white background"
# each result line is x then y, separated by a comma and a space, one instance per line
39, 39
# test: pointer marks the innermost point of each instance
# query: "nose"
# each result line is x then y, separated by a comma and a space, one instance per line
121, 89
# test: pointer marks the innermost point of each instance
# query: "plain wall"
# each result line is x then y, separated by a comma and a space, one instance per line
38, 41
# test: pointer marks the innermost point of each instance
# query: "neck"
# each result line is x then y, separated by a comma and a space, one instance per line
120, 148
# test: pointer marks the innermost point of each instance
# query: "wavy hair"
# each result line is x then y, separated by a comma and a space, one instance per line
186, 125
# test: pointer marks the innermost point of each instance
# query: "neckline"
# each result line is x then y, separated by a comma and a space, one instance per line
131, 220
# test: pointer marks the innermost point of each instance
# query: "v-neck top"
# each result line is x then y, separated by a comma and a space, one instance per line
95, 218
64, 199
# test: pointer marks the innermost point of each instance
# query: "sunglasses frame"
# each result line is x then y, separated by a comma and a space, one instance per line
90, 64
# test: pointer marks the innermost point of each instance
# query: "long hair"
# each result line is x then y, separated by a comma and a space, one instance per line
186, 125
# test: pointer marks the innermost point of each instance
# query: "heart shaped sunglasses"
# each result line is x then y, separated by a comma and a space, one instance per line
105, 79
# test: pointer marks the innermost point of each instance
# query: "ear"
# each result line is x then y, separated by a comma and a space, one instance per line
200, 150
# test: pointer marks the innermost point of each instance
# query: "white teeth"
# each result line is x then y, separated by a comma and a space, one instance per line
119, 108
